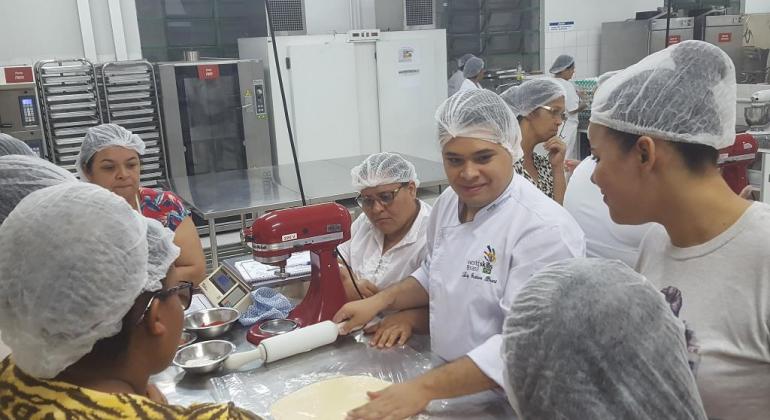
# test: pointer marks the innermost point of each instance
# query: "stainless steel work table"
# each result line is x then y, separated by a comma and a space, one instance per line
256, 387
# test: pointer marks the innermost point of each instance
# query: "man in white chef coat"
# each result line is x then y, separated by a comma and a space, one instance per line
486, 236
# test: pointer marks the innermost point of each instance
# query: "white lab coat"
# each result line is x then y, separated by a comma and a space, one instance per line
454, 82
468, 84
474, 270
604, 238
568, 129
364, 250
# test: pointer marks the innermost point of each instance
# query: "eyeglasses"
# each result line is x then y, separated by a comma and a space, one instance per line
555, 112
384, 198
183, 290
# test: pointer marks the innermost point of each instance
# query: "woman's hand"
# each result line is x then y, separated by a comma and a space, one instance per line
557, 151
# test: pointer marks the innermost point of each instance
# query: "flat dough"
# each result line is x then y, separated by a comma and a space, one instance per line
327, 400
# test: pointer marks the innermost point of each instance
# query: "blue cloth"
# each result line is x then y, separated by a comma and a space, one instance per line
268, 304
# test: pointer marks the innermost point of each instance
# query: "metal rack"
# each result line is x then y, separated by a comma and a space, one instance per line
69, 105
131, 100
504, 33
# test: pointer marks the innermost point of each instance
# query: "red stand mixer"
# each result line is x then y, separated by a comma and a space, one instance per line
734, 161
319, 228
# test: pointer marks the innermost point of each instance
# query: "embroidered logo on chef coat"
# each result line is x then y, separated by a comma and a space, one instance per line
483, 265
489, 260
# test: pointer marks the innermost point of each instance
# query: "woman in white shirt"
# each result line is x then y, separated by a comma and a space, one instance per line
656, 131
387, 241
457, 78
473, 72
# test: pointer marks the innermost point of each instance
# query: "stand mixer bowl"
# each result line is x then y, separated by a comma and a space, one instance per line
757, 115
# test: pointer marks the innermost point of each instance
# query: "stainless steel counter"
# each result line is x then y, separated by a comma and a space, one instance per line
257, 190
256, 387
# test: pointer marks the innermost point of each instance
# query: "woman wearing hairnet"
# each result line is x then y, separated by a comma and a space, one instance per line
486, 236
473, 71
583, 200
563, 69
109, 157
387, 241
539, 107
457, 78
91, 320
591, 339
656, 128
20, 175
12, 146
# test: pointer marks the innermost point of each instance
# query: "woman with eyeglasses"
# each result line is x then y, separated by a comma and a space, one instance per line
92, 307
539, 107
387, 241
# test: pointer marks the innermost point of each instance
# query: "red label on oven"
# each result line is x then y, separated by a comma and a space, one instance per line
18, 75
725, 36
674, 39
208, 72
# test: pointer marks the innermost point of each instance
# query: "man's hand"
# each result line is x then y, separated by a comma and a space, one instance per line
358, 313
398, 401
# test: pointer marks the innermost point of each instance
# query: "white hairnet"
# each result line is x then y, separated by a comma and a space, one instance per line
592, 339
103, 136
73, 259
685, 93
382, 169
479, 114
562, 62
10, 145
462, 60
473, 67
530, 95
20, 175
606, 76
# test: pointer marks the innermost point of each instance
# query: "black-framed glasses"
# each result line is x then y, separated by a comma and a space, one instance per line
384, 198
555, 112
183, 290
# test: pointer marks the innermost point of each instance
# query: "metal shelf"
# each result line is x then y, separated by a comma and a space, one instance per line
131, 100
69, 105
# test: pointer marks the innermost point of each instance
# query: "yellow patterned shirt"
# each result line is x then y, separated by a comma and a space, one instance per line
24, 397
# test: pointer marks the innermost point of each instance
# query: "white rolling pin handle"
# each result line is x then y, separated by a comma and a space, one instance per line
299, 341
236, 360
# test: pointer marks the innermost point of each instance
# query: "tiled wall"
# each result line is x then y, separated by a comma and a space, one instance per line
581, 44
582, 41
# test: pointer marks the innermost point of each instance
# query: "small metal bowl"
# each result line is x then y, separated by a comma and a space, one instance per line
210, 323
204, 357
187, 339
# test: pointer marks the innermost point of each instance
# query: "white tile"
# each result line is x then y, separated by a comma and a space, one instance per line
594, 37
570, 39
593, 61
549, 55
548, 39
557, 40
582, 37
581, 56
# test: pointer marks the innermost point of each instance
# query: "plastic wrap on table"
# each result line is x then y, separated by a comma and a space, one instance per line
258, 389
